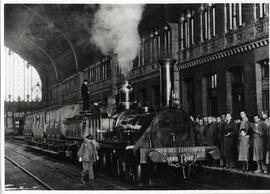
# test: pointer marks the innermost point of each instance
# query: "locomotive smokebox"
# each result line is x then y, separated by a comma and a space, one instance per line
166, 81
126, 96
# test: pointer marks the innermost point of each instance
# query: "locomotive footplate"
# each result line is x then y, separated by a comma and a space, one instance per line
180, 155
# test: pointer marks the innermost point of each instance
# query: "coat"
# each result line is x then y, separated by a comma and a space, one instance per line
88, 151
220, 139
244, 144
230, 139
211, 134
267, 123
259, 143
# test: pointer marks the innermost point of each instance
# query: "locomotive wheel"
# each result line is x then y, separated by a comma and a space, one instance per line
121, 167
103, 162
138, 173
118, 167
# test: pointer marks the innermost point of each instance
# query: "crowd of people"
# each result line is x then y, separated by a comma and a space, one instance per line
243, 143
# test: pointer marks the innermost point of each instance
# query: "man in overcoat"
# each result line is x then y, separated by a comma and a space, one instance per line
259, 143
230, 133
211, 133
220, 140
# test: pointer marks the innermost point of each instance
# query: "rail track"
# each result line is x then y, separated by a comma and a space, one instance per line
46, 186
73, 175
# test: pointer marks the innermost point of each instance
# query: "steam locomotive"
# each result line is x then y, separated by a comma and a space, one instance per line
130, 139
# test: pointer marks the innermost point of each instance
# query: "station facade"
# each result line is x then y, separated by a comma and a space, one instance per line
222, 53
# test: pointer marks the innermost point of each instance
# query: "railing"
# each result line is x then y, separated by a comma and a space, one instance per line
232, 38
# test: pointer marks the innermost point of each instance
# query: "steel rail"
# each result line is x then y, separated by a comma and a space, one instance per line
29, 173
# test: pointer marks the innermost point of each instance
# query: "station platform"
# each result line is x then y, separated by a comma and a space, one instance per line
236, 178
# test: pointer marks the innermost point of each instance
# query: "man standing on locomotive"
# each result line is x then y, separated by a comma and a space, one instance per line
88, 154
85, 95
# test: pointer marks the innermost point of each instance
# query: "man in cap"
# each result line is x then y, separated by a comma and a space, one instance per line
88, 155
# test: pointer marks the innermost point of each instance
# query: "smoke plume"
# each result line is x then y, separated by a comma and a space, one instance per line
115, 30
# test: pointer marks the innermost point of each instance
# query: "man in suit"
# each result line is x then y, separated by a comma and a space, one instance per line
259, 132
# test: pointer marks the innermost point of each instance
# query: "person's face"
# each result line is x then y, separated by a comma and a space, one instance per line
218, 119
242, 114
256, 119
264, 115
223, 117
201, 122
209, 120
85, 82
243, 133
228, 117
205, 119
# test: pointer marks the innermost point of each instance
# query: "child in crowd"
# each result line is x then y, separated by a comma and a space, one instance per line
244, 144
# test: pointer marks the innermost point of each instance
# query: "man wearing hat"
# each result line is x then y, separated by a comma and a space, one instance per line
88, 155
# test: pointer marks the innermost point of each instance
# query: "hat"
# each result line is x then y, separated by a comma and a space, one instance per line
89, 137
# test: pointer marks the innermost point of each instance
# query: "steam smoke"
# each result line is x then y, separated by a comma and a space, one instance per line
115, 30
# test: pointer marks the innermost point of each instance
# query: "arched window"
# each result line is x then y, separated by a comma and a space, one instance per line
22, 81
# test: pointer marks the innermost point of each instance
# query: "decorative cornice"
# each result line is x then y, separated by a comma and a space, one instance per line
225, 53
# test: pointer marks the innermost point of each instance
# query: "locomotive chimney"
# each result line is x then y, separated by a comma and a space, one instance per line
126, 96
166, 81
